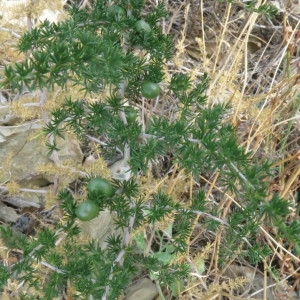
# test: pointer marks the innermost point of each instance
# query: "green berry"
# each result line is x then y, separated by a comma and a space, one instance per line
87, 210
101, 186
131, 114
150, 90
116, 11
142, 26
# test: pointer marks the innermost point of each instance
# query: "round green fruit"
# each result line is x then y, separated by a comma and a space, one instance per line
150, 90
142, 26
87, 210
116, 11
131, 114
101, 186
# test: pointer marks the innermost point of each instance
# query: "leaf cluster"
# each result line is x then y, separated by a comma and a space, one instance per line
92, 49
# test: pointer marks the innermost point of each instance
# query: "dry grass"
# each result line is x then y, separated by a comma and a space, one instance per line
254, 64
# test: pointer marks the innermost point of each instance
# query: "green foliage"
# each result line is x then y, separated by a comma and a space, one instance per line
76, 51
4, 274
94, 49
265, 9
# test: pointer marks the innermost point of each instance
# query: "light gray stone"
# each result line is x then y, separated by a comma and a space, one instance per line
143, 289
8, 214
100, 228
6, 117
28, 154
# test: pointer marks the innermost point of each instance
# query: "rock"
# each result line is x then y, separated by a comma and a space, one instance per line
120, 170
4, 296
6, 116
143, 289
8, 214
21, 202
27, 154
99, 228
52, 11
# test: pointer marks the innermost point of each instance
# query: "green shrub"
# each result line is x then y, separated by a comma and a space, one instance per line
96, 50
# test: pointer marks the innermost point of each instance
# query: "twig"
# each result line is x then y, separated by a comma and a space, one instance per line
120, 257
40, 246
197, 212
278, 245
3, 188
20, 202
32, 104
11, 32
51, 267
93, 139
241, 175
54, 156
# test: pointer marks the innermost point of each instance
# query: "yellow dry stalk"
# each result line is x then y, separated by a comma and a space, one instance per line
277, 101
194, 74
137, 231
38, 134
180, 49
214, 290
82, 196
223, 81
204, 254
223, 94
43, 272
92, 98
5, 166
69, 133
95, 148
180, 46
167, 74
13, 188
56, 98
149, 186
178, 186
66, 168
12, 288
165, 223
3, 252
236, 283
50, 199
20, 110
201, 54
4, 38
96, 168
178, 190
7, 50
71, 291
179, 258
